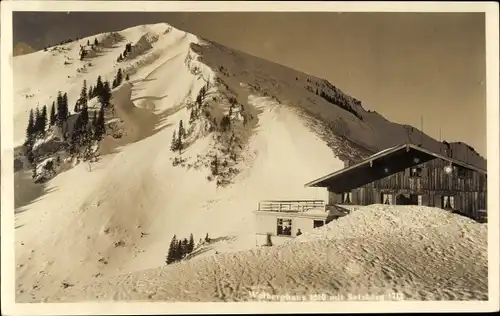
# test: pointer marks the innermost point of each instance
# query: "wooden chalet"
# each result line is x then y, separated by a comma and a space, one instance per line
409, 175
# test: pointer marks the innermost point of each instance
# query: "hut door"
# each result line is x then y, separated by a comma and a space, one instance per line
318, 223
402, 199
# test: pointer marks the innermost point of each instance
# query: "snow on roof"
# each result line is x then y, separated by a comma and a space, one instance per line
316, 212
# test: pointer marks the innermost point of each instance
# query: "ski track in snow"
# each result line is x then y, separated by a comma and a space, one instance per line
134, 195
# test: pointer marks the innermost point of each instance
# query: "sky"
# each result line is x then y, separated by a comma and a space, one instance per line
405, 66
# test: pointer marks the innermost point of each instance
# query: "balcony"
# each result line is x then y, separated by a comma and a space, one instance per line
291, 206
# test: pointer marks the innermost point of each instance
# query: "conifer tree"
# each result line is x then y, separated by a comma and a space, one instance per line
76, 109
99, 87
182, 131
83, 105
30, 130
179, 251
53, 114
64, 107
60, 109
75, 135
43, 119
83, 94
119, 77
104, 94
179, 145
191, 243
87, 139
171, 256
185, 247
91, 92
173, 145
192, 116
38, 121
127, 77
96, 42
88, 42
100, 128
84, 115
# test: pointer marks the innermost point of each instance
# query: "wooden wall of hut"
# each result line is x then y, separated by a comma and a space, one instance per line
467, 187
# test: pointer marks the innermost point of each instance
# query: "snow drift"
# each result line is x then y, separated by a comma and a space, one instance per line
393, 252
253, 130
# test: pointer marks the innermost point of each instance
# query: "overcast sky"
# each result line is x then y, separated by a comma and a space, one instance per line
402, 65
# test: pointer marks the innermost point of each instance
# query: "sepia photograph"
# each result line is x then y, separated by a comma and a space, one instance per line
185, 152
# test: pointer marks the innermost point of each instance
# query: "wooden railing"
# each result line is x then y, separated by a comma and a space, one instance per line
290, 205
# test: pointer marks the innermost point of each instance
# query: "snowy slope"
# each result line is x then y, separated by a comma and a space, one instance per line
377, 252
120, 216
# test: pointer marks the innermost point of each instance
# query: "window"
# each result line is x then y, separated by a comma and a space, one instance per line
463, 173
347, 198
387, 199
449, 202
318, 224
416, 172
284, 227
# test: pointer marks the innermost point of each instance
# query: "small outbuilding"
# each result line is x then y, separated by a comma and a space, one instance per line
283, 219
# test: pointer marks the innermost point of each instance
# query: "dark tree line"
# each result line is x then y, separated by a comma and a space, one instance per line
179, 249
340, 101
84, 130
37, 123
39, 120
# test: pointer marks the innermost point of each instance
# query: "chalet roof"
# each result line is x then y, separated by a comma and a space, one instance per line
382, 164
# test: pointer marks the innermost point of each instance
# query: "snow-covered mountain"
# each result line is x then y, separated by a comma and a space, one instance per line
254, 130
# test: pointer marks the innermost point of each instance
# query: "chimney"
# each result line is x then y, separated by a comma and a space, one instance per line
448, 151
